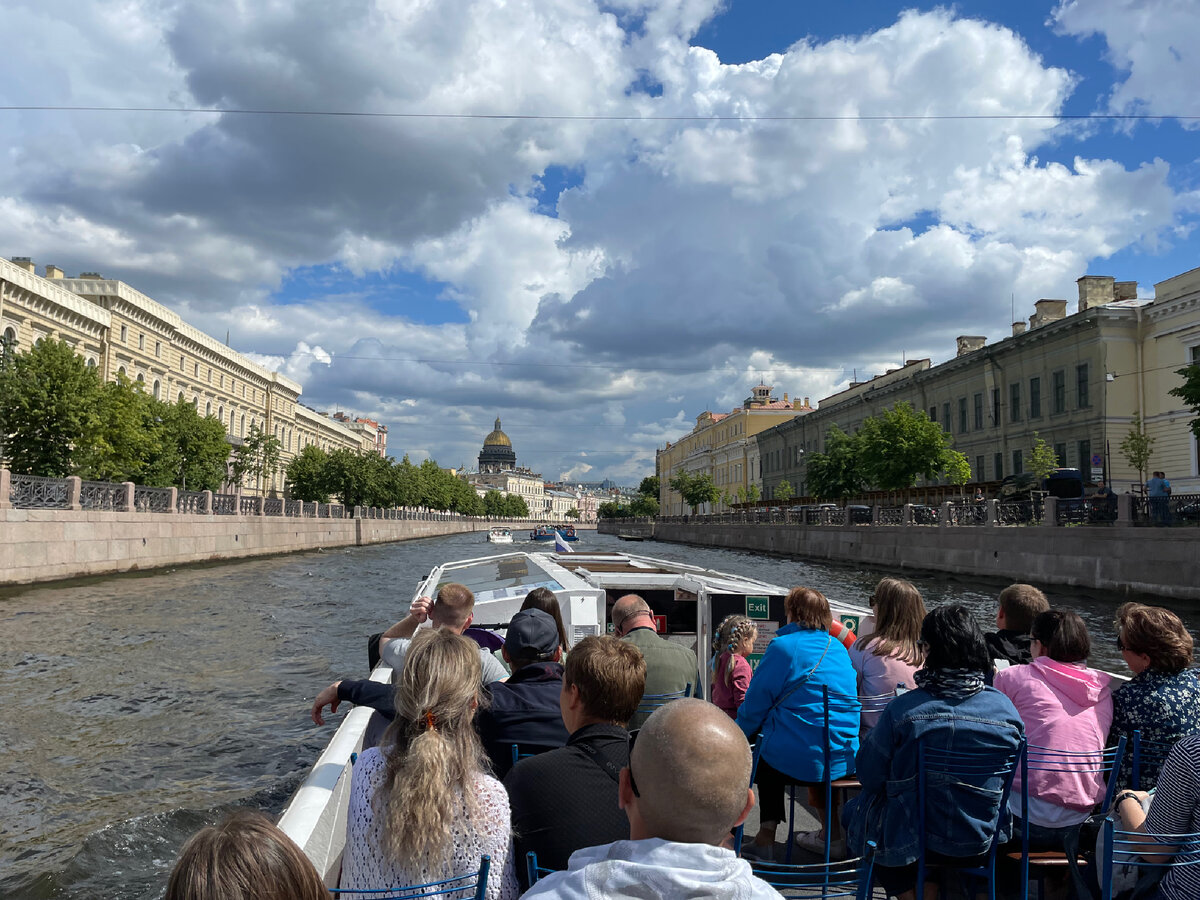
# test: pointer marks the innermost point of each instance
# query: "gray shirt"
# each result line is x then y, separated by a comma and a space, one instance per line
396, 649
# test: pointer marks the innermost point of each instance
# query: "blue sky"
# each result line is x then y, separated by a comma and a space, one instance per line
599, 277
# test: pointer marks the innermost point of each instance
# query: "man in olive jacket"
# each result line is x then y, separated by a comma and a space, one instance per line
670, 666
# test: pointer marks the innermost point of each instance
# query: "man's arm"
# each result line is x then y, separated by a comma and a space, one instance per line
374, 694
407, 627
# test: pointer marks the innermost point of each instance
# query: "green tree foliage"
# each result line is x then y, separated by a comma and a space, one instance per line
900, 445
50, 416
306, 475
611, 509
192, 450
406, 483
956, 468
753, 494
493, 503
572, 513
836, 473
1137, 447
1189, 393
784, 490
127, 437
515, 506
258, 457
1042, 458
696, 488
644, 505
650, 486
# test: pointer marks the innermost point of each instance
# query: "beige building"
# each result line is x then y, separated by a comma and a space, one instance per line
121, 331
1075, 381
722, 445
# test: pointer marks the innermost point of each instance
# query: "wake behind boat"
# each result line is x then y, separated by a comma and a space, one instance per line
688, 603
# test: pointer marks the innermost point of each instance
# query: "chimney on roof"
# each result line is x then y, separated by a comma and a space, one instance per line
969, 343
1095, 290
1048, 311
806, 403
1125, 290
53, 272
1018, 328
25, 263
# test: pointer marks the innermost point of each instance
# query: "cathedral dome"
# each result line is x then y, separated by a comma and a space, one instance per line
497, 438
497, 454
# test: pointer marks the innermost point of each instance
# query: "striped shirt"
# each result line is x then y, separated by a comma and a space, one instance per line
1175, 809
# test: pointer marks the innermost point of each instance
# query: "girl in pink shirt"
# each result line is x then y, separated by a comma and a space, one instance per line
890, 656
731, 675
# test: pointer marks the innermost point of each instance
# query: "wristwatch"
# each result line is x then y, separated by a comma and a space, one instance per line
1125, 795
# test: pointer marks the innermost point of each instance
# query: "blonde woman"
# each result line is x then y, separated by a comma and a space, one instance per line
421, 806
732, 672
890, 655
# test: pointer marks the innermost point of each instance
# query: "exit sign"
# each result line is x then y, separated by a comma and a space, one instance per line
758, 607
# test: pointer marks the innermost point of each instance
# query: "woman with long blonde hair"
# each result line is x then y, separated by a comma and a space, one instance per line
891, 655
422, 807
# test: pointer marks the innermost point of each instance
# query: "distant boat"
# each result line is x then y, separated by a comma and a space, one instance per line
629, 537
498, 535
546, 533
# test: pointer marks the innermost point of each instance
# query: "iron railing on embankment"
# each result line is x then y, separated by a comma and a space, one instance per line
36, 492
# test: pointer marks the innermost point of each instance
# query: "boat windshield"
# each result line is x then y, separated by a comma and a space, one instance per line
500, 578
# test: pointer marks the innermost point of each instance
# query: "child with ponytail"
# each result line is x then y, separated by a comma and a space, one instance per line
731, 672
422, 807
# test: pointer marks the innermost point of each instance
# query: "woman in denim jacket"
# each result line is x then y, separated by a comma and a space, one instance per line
951, 709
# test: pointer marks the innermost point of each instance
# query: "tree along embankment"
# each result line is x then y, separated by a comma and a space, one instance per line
1160, 561
48, 544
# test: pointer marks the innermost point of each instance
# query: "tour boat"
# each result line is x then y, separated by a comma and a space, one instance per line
689, 602
546, 533
498, 535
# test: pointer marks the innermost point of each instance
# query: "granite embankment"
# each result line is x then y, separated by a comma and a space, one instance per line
1134, 560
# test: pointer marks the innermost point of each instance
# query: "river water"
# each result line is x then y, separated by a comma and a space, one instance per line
138, 708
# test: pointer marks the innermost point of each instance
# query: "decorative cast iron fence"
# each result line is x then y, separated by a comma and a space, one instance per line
148, 499
36, 492
101, 495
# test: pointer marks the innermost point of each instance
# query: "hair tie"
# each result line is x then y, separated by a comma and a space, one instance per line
429, 723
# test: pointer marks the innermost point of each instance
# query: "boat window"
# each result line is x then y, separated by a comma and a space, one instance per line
495, 579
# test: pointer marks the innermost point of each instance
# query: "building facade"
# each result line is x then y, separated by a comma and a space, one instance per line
1075, 381
120, 331
721, 445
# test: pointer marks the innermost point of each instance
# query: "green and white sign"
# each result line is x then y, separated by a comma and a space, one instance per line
758, 607
851, 622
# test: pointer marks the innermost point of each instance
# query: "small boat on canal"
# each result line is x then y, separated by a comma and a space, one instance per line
499, 535
546, 533
688, 602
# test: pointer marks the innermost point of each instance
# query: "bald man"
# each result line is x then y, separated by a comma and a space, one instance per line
687, 784
670, 667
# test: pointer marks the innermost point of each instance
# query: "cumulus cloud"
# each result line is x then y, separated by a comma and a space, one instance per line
686, 257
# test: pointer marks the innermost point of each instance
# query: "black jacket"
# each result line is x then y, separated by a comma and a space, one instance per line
1010, 645
523, 710
566, 799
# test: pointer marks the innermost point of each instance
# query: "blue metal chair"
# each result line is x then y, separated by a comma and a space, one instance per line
651, 702
526, 751
533, 871
1106, 763
1127, 846
849, 879
985, 770
473, 885
1146, 753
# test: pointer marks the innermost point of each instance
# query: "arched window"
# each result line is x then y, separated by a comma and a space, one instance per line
141, 378
157, 389
221, 415
196, 403
10, 335
208, 408
181, 396
121, 370
242, 430
91, 364
232, 416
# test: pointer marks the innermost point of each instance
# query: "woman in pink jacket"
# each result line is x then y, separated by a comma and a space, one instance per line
1065, 706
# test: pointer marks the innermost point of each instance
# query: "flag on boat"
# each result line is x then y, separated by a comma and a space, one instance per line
560, 543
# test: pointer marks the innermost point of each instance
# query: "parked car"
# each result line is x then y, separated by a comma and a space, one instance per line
859, 515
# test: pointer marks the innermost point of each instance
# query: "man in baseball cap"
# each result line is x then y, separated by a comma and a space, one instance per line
524, 710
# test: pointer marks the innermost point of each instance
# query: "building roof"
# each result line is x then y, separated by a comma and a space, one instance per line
497, 438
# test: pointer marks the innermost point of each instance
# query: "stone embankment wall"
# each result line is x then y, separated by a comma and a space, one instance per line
45, 545
1158, 561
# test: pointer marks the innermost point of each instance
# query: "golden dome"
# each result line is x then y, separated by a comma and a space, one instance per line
497, 438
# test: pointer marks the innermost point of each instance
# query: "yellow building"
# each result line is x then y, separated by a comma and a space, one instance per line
722, 445
120, 330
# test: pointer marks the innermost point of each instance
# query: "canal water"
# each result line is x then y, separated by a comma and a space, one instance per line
138, 708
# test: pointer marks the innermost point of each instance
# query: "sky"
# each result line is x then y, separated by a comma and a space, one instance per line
596, 220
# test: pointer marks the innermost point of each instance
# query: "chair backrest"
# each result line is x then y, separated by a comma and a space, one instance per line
524, 751
1104, 763
1146, 754
473, 884
850, 878
651, 702
532, 870
1125, 847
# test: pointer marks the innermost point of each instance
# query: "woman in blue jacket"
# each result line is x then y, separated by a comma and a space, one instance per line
951, 709
785, 703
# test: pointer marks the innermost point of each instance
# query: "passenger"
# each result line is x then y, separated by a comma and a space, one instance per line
951, 709
890, 656
1065, 706
544, 599
421, 807
1019, 605
670, 667
1175, 810
245, 857
785, 704
731, 671
524, 710
1162, 700
566, 799
686, 785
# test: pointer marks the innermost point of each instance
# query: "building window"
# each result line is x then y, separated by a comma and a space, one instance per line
979, 412
945, 416
1035, 398
995, 407
91, 364
1085, 459
980, 475
141, 379
141, 342
1017, 467
933, 414
1014, 402
242, 430
158, 349
181, 396
962, 415
1082, 400
208, 408
210, 374
121, 370
998, 463
1060, 452
195, 370
1059, 386
124, 333
157, 390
